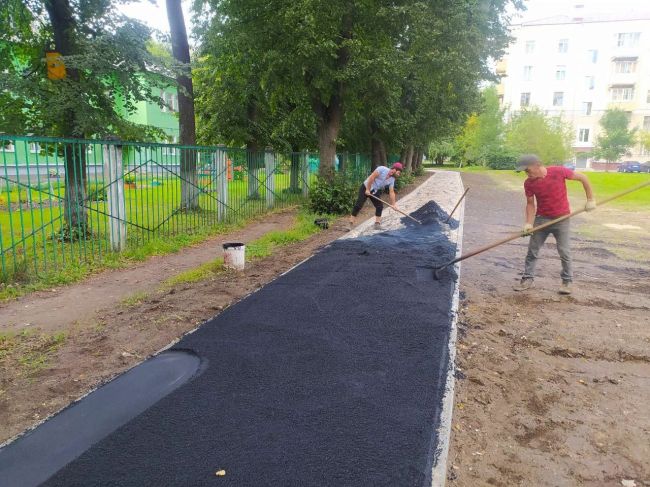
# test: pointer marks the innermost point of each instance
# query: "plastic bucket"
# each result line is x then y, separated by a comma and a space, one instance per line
234, 255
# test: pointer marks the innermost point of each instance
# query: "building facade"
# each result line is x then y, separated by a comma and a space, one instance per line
577, 67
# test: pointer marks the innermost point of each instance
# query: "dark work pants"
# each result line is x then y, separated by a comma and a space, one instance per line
361, 199
561, 232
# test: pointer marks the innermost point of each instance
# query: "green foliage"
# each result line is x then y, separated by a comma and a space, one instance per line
402, 73
404, 180
443, 149
107, 63
615, 138
501, 158
419, 171
483, 132
96, 192
334, 196
531, 131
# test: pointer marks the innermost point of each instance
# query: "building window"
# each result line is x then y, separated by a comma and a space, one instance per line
525, 100
169, 101
583, 135
530, 47
34, 148
563, 45
592, 56
590, 82
560, 73
558, 99
586, 108
622, 93
7, 146
528, 73
646, 123
624, 66
628, 39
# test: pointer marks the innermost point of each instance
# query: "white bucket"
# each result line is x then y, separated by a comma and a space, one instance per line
234, 255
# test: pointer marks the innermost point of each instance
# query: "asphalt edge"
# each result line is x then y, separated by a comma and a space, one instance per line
439, 470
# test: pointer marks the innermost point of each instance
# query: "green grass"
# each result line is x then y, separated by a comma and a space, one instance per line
603, 184
29, 351
303, 228
134, 299
75, 271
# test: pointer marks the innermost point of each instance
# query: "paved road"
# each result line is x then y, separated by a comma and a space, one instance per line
331, 375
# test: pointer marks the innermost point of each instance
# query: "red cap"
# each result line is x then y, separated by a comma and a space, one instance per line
398, 166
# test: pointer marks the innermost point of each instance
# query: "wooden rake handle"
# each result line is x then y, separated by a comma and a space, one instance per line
396, 209
541, 227
457, 205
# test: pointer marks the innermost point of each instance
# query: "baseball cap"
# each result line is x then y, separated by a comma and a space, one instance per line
526, 161
398, 166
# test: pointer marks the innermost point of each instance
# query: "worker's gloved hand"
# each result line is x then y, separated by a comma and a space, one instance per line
526, 231
591, 205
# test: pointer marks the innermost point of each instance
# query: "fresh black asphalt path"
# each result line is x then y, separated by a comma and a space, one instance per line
333, 374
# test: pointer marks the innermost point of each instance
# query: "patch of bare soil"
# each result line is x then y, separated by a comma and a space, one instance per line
41, 372
553, 391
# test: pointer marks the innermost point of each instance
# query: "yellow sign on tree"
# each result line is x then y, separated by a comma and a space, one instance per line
55, 65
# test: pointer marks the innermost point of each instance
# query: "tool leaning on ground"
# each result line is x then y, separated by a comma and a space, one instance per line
436, 271
396, 209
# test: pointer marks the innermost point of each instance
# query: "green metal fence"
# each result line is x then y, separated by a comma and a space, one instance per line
71, 201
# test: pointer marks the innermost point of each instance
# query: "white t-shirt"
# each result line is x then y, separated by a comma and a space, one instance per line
382, 180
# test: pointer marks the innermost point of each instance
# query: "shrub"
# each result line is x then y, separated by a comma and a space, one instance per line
404, 180
334, 196
419, 171
96, 192
501, 158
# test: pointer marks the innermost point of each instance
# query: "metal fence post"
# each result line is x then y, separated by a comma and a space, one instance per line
222, 184
305, 174
114, 181
269, 166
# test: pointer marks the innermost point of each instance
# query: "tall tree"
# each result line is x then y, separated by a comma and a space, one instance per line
106, 65
531, 131
186, 118
616, 138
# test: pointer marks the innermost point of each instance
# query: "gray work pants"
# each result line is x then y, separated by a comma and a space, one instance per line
562, 233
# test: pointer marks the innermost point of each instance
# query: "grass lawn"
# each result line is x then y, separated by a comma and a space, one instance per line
605, 184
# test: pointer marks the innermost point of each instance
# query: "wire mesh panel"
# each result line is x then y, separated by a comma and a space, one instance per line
65, 202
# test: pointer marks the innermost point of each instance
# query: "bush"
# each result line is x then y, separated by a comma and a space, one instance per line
335, 196
501, 158
404, 180
96, 192
419, 171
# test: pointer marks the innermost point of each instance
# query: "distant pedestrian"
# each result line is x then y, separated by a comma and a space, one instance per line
381, 178
546, 200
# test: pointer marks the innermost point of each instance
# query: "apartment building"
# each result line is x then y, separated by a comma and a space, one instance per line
577, 67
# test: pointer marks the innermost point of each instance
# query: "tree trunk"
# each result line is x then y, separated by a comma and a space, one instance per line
330, 116
186, 120
294, 179
383, 153
254, 157
329, 124
375, 152
75, 214
408, 163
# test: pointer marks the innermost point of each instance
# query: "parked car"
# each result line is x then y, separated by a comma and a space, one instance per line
645, 167
629, 166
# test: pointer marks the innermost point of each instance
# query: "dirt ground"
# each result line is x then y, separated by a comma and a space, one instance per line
552, 391
69, 340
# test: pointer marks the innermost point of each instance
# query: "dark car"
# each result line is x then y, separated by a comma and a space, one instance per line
629, 166
645, 167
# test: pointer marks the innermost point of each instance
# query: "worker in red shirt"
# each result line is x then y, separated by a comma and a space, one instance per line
546, 200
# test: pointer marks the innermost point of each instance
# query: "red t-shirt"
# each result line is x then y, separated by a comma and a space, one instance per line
550, 192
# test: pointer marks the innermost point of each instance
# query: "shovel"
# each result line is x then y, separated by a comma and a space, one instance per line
436, 271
